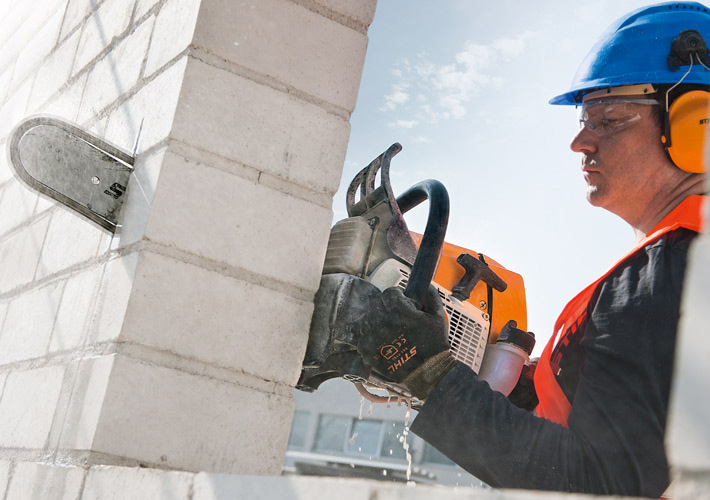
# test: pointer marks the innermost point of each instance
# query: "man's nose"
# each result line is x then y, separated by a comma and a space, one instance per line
584, 141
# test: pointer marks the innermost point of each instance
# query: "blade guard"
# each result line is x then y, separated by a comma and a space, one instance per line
68, 164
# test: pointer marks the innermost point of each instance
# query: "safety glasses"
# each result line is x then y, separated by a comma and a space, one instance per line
607, 117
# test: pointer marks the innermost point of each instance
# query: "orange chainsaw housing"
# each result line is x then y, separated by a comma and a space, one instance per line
506, 306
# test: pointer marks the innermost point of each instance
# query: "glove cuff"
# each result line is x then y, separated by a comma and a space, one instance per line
426, 377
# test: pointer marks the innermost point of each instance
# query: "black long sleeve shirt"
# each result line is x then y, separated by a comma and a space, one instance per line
617, 376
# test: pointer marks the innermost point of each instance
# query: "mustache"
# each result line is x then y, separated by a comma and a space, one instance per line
588, 161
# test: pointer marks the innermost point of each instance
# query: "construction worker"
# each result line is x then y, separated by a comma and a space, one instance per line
603, 381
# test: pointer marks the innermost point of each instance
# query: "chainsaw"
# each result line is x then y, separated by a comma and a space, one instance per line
484, 302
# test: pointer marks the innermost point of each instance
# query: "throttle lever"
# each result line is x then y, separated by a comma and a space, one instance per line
475, 272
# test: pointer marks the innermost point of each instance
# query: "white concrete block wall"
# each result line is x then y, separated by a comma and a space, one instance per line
188, 418
124, 483
64, 282
27, 407
328, 77
35, 481
178, 340
170, 320
111, 483
296, 140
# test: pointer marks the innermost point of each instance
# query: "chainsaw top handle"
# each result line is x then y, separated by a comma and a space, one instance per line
429, 253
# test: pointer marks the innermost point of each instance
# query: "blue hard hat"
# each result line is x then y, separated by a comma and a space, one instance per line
636, 49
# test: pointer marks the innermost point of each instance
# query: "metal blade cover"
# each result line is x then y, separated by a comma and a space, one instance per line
70, 165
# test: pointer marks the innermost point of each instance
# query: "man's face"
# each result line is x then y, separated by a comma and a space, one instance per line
623, 160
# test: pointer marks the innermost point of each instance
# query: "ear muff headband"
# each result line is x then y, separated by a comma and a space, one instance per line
687, 130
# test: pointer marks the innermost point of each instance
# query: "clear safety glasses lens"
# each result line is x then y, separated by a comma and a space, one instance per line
603, 118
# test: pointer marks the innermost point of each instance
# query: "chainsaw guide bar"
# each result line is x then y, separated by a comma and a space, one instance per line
66, 163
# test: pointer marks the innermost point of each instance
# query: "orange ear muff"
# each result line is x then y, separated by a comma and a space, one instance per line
689, 119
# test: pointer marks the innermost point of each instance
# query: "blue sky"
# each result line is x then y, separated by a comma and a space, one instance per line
464, 86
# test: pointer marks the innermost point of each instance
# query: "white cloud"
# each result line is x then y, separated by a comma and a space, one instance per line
444, 91
403, 124
398, 97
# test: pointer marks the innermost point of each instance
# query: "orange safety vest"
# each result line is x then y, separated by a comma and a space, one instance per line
554, 405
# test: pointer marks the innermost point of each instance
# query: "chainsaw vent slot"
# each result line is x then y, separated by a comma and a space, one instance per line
467, 337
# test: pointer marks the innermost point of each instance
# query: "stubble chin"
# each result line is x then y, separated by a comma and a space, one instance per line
593, 195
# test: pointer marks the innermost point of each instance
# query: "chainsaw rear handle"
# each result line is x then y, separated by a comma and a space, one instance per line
432, 243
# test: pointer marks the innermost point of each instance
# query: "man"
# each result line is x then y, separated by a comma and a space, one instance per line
603, 381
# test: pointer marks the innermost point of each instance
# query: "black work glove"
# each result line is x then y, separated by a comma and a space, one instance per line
524, 394
405, 344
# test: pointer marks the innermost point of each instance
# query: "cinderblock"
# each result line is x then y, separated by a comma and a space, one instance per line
78, 428
173, 32
75, 12
71, 239
689, 485
213, 487
143, 6
261, 127
23, 22
4, 474
29, 320
197, 313
15, 108
75, 310
45, 481
225, 218
362, 11
6, 172
5, 77
3, 310
689, 414
28, 405
54, 73
108, 21
17, 203
254, 34
123, 483
38, 46
115, 293
116, 72
66, 104
153, 106
23, 250
222, 427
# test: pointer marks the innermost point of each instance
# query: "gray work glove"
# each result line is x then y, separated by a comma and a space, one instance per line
405, 344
